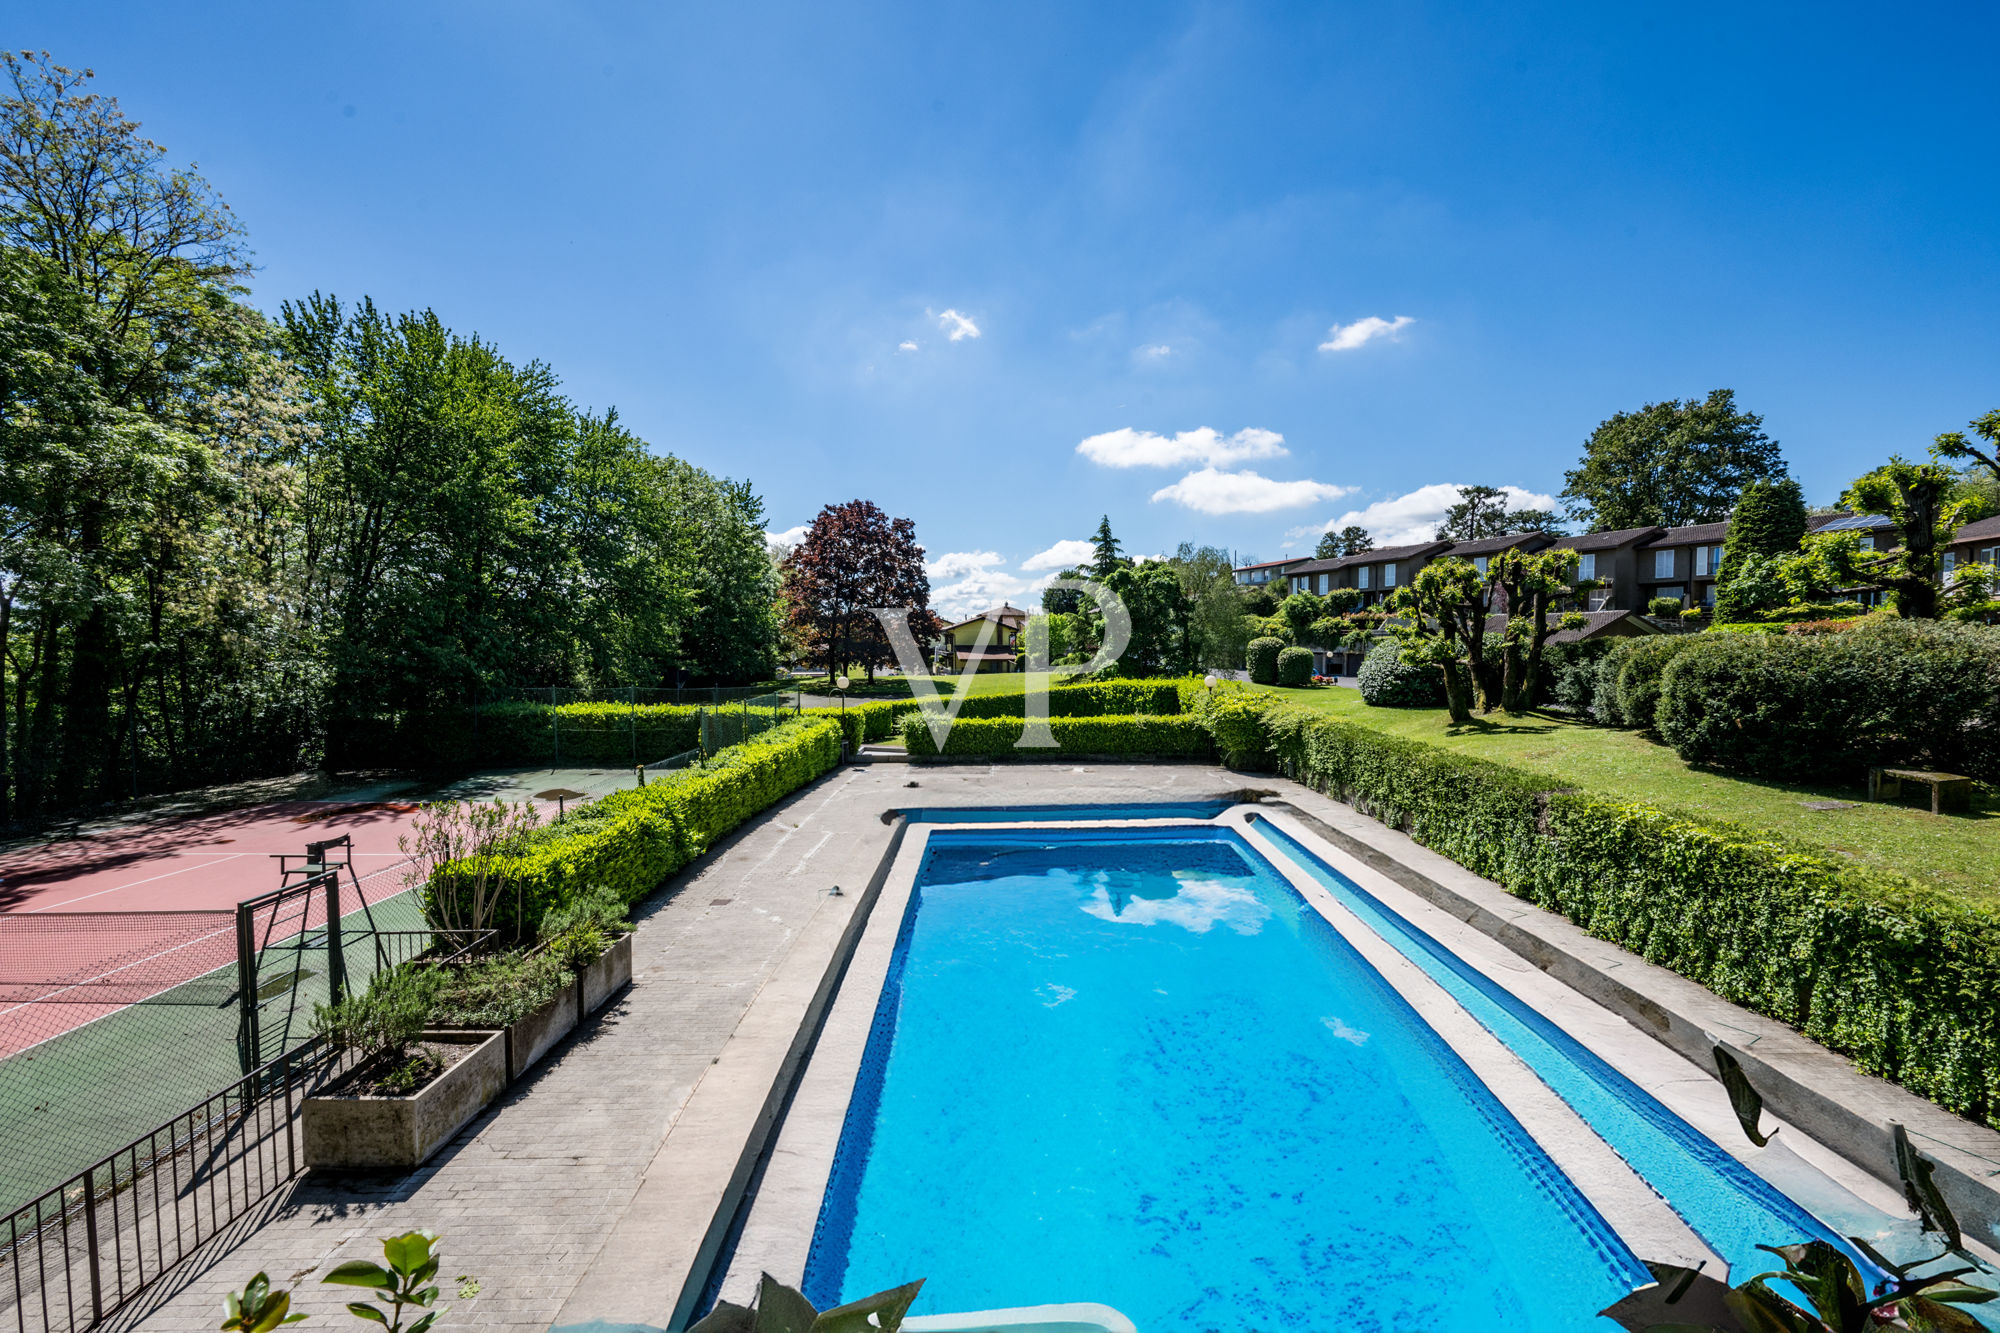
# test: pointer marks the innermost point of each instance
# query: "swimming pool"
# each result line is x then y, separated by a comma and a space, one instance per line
1134, 1066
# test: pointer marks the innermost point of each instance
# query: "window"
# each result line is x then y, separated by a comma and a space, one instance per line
1361, 578
1707, 559
1479, 563
1663, 566
1389, 576
1867, 541
1989, 555
1586, 566
1324, 583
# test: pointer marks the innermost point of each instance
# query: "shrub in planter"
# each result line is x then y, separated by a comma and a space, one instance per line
383, 1024
1387, 682
1664, 608
1262, 659
1295, 667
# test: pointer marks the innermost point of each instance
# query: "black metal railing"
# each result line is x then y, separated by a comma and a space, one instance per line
72, 1258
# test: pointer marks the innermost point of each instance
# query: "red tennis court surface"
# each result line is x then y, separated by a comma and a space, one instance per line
205, 861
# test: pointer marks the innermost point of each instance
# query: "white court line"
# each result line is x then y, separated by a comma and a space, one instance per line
810, 853
221, 857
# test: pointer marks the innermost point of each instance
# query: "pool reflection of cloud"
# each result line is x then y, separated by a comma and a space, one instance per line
1200, 905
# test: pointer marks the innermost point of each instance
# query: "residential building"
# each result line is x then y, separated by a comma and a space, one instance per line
1680, 563
1251, 576
1611, 559
1974, 543
1875, 532
1606, 624
1374, 574
1001, 627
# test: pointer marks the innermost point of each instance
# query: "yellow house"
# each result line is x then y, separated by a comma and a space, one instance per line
1002, 628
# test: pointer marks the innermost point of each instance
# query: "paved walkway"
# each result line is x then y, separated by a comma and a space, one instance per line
526, 1197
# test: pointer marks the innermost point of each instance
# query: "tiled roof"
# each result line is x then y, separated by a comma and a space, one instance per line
1595, 623
1494, 545
1695, 534
1610, 541
1383, 553
1972, 532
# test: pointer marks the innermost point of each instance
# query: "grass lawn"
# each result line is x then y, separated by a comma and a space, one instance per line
1959, 853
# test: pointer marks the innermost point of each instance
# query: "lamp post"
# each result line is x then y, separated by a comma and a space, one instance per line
840, 683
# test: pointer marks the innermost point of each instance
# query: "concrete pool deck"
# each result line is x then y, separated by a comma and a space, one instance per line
601, 1187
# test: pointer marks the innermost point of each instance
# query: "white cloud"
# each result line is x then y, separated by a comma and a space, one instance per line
1142, 448
906, 346
1414, 517
789, 537
955, 563
1347, 337
1061, 556
984, 589
1214, 492
957, 326
1153, 352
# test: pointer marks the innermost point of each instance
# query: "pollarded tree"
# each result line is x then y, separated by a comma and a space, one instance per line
1534, 582
1919, 497
853, 559
1444, 625
1670, 464
1953, 444
1769, 520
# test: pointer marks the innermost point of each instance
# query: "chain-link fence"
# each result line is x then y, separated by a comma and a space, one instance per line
111, 1022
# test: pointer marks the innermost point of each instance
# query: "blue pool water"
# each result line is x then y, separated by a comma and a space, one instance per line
1135, 1067
1725, 1203
1069, 814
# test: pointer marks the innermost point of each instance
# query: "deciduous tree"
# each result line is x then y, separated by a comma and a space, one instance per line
853, 559
1670, 464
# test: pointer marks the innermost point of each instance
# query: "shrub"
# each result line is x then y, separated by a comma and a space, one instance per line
1569, 672
1234, 717
494, 992
1387, 683
630, 841
1863, 962
1883, 692
1165, 737
1262, 659
1664, 608
1635, 666
1295, 667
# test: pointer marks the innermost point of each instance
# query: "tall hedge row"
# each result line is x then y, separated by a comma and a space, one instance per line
1901, 979
1156, 737
870, 723
631, 840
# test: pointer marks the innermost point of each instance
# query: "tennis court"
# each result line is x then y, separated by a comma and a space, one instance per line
118, 952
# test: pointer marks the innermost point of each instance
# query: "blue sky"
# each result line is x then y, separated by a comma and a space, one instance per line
1278, 264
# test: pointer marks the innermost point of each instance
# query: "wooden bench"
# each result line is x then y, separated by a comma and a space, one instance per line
1947, 789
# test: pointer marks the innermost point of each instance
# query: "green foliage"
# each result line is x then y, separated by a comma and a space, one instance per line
1164, 737
1884, 692
403, 1286
1634, 667
1387, 681
1262, 659
1664, 608
495, 992
1866, 963
1670, 464
1300, 610
1570, 679
256, 1308
1295, 667
780, 1309
1341, 601
630, 841
1234, 717
385, 1020
1928, 506
1836, 1298
1767, 524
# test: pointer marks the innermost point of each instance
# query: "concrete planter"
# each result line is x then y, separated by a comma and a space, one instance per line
531, 1038
611, 973
405, 1131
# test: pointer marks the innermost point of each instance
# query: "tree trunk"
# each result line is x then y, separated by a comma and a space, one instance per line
1457, 691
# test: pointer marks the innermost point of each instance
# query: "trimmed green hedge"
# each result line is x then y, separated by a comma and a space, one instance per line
1295, 667
1174, 737
1261, 658
875, 722
631, 840
1385, 681
1905, 981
